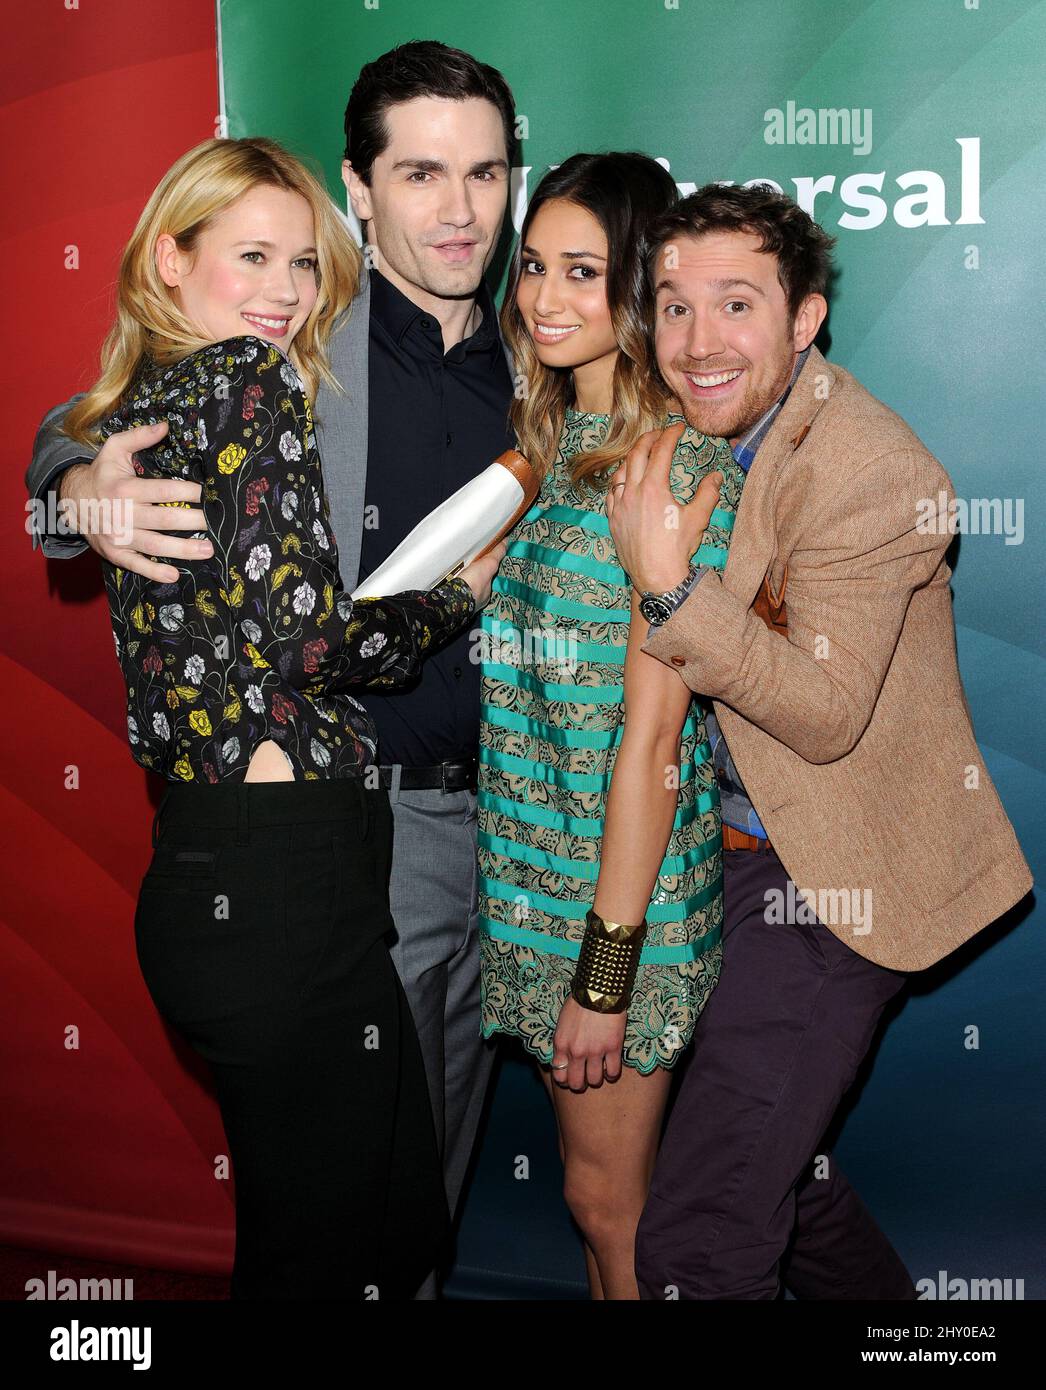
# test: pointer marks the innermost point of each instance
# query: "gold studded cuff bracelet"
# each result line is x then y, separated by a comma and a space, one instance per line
607, 964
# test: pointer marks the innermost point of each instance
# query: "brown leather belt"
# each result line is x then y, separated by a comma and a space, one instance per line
737, 839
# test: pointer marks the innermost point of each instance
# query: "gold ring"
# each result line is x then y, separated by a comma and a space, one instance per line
560, 1066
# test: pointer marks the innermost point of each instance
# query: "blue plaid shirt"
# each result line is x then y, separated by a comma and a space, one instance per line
738, 810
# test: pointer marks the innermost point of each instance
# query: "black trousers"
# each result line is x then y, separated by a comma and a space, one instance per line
261, 934
740, 1197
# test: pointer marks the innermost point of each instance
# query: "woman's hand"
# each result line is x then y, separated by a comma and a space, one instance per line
480, 574
590, 1043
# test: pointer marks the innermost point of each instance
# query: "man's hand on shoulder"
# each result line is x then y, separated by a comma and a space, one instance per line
120, 515
654, 534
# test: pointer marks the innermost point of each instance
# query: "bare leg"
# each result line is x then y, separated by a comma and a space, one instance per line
595, 1286
609, 1136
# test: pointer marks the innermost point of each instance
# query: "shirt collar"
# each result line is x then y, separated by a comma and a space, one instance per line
746, 448
396, 314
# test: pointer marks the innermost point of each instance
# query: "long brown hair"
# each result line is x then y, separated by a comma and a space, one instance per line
151, 326
625, 193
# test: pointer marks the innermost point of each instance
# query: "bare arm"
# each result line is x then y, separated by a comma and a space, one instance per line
642, 800
641, 807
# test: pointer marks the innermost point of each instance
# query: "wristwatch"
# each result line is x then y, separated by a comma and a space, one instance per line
658, 608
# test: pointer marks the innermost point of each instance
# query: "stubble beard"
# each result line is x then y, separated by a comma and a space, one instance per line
409, 263
446, 283
718, 422
714, 421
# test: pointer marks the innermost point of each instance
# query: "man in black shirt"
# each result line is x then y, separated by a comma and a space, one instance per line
429, 141
444, 417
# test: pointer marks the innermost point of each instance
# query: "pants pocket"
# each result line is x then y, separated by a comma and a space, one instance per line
181, 869
209, 931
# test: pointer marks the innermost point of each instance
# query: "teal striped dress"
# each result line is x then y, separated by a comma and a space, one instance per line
552, 717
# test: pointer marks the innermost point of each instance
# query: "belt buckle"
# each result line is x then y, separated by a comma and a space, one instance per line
443, 778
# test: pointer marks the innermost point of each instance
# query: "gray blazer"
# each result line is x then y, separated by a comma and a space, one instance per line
341, 434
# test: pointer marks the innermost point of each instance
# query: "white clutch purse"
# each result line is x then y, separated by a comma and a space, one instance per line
465, 526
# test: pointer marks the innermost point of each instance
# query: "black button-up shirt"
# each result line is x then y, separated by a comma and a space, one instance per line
435, 420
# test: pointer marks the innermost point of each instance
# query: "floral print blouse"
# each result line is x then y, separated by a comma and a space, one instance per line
260, 641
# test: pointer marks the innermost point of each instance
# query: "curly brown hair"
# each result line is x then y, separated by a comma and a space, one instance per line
802, 248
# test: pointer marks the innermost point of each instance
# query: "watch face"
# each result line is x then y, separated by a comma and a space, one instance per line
654, 609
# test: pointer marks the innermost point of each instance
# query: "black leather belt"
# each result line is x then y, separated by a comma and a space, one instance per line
447, 777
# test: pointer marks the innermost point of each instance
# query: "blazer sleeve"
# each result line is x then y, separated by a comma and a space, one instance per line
291, 615
864, 549
53, 453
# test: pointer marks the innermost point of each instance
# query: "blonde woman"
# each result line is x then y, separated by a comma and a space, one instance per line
262, 920
598, 803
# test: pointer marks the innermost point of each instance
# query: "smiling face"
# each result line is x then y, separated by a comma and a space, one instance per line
562, 290
253, 270
437, 195
726, 342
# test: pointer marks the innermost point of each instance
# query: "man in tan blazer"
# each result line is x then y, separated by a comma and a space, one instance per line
862, 835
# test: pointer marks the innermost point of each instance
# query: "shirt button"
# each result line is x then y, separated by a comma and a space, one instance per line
448, 439
457, 672
426, 323
678, 660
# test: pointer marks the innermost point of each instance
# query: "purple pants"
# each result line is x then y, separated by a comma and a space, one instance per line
738, 1203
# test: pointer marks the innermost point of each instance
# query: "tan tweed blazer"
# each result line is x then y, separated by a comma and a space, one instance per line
852, 733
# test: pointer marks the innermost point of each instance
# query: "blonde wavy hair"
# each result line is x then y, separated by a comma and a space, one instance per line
625, 192
151, 327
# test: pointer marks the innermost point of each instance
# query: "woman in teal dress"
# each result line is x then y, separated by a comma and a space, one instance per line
600, 839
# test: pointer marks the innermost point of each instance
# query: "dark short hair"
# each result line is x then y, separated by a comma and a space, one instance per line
802, 248
422, 68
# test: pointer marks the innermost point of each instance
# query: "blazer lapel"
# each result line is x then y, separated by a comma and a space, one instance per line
342, 426
753, 544
341, 432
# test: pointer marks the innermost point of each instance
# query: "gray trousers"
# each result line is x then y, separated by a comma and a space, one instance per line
434, 900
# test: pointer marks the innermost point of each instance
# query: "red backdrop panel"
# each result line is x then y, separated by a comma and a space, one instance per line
109, 1145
